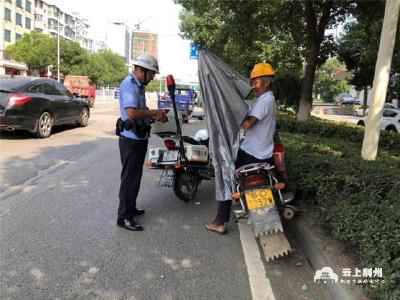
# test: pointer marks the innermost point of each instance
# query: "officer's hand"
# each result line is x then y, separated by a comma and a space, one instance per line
161, 116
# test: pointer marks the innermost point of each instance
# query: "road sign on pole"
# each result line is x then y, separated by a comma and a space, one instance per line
194, 51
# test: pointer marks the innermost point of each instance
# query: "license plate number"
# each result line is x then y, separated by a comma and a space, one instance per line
259, 198
167, 178
170, 156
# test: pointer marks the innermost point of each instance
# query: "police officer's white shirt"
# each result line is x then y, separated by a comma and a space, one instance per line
259, 140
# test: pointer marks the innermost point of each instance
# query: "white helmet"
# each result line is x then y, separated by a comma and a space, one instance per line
147, 61
201, 135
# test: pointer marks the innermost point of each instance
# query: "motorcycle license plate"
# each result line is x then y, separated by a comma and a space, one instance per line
170, 156
259, 198
167, 178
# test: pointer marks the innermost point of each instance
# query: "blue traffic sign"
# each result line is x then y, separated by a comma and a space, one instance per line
194, 51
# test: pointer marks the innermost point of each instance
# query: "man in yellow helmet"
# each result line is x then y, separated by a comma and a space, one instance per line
258, 142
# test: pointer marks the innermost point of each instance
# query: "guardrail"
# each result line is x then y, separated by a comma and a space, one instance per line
106, 95
109, 95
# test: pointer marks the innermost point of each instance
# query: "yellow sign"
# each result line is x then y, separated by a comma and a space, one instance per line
259, 198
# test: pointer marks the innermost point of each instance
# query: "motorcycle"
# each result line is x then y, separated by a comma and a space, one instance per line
183, 168
259, 198
185, 161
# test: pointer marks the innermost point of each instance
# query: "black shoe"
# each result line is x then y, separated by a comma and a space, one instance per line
129, 224
138, 212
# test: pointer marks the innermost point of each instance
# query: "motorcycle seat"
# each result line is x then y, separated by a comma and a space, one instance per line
192, 141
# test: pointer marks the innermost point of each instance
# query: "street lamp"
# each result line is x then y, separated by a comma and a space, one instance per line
58, 52
58, 47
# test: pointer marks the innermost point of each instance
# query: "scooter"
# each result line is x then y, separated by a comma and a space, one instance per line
184, 161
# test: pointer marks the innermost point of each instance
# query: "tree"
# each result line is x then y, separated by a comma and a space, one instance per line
39, 51
35, 49
73, 58
287, 90
315, 35
218, 25
358, 47
157, 85
106, 68
326, 84
284, 33
241, 32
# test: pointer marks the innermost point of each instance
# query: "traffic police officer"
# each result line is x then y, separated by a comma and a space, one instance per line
133, 137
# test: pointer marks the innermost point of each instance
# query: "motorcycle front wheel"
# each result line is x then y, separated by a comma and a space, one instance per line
186, 185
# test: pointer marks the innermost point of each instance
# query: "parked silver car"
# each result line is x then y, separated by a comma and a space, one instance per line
344, 99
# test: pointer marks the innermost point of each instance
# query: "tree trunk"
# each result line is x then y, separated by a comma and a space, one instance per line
315, 32
372, 132
365, 100
306, 94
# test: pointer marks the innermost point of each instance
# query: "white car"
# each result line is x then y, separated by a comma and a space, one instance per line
358, 112
390, 120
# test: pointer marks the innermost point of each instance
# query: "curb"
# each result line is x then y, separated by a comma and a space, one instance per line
314, 254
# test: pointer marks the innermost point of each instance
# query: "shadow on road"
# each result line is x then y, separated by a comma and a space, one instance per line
18, 169
24, 134
61, 240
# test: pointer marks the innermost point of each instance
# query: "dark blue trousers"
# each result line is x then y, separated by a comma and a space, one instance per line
133, 154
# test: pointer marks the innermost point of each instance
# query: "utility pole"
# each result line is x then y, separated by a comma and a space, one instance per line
58, 47
381, 80
58, 53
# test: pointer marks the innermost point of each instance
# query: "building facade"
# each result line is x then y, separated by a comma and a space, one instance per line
16, 18
22, 16
117, 39
50, 19
99, 45
144, 42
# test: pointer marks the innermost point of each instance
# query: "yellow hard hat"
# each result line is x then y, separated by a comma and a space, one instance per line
262, 69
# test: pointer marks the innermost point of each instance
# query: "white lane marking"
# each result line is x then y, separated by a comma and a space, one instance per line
259, 283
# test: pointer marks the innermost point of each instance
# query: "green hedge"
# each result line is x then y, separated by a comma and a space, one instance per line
358, 201
323, 128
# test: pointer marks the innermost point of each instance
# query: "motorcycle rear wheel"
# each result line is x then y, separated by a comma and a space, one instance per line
186, 185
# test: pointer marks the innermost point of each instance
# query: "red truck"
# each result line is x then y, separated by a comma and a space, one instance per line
81, 86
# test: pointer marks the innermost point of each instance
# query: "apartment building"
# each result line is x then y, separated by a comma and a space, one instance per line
99, 45
16, 18
22, 16
50, 19
144, 42
117, 38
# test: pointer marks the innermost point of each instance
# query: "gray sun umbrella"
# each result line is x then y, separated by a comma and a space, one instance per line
223, 90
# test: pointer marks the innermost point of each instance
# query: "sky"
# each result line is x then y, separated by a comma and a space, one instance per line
159, 16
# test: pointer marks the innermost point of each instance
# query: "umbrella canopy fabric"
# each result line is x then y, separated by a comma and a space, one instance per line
224, 91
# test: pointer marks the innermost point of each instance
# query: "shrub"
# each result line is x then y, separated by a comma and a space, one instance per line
358, 201
323, 128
